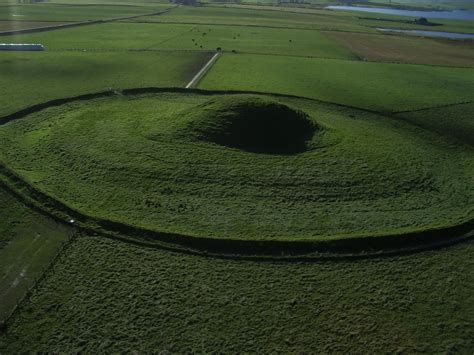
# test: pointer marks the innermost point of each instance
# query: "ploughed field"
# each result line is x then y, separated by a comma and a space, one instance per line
241, 166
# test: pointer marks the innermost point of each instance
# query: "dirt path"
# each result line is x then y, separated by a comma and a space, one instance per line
203, 71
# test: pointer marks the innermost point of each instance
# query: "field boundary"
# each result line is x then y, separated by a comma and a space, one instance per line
46, 270
201, 73
77, 24
349, 248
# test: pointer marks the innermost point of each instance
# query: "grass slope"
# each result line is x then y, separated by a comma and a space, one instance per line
30, 78
141, 160
376, 86
107, 296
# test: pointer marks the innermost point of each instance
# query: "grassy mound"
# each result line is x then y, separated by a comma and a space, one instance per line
158, 161
254, 124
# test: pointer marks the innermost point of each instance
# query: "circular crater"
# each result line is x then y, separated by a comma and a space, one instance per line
253, 124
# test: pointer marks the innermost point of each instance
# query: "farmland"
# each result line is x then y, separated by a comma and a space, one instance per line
376, 86
311, 191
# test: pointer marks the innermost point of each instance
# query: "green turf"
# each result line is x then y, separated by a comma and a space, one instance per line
31, 78
155, 36
111, 297
163, 162
377, 86
28, 241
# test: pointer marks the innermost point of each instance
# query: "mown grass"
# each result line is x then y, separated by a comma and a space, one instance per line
140, 160
28, 241
154, 36
106, 296
72, 12
376, 86
406, 49
31, 78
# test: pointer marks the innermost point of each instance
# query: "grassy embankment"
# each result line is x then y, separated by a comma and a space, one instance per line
362, 174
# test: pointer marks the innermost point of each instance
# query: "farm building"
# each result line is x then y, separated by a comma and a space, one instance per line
21, 47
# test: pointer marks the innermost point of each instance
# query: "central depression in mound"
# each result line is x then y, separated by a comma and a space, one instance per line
218, 165
253, 124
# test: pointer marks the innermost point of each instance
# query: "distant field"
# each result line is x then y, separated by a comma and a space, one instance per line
107, 296
406, 49
27, 243
259, 16
345, 20
71, 12
29, 78
377, 86
21, 25
189, 37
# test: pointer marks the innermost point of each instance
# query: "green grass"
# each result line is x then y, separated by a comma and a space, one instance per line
72, 12
31, 78
156, 36
259, 17
163, 162
376, 86
311, 18
454, 121
28, 241
107, 296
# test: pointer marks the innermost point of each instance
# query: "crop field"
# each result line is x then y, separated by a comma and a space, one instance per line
375, 86
405, 49
235, 177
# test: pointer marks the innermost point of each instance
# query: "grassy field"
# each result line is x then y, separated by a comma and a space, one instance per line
360, 174
376, 86
323, 19
28, 241
259, 17
407, 49
64, 74
106, 296
21, 25
72, 12
151, 36
219, 166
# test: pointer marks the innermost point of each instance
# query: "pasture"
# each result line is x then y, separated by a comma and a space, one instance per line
156, 36
64, 74
197, 209
110, 297
375, 86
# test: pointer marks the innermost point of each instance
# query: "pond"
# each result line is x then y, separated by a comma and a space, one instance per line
454, 35
451, 15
